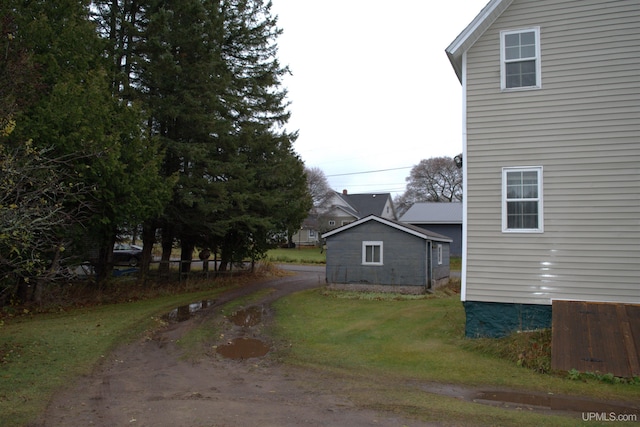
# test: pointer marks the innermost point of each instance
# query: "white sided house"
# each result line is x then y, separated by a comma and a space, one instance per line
551, 159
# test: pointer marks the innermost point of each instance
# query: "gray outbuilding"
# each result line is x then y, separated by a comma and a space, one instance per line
380, 254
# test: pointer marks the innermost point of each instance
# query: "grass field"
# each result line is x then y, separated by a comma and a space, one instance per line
378, 341
41, 353
318, 256
297, 256
374, 342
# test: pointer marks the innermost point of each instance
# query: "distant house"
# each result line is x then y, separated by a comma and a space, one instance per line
380, 254
308, 234
343, 209
441, 218
551, 159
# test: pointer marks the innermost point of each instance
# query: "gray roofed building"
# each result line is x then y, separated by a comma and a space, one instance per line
442, 218
433, 213
380, 254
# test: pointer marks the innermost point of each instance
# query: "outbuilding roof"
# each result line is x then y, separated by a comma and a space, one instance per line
433, 213
407, 228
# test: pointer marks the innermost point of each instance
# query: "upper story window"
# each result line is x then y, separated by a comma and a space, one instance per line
522, 200
520, 59
371, 253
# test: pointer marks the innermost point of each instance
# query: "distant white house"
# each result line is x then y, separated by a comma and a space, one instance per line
342, 209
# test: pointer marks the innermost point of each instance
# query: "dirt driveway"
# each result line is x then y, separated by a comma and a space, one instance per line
149, 383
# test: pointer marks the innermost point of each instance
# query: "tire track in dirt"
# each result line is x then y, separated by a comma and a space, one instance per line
149, 383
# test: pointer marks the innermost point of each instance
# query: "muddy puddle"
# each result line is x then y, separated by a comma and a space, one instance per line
243, 348
551, 401
186, 312
248, 317
531, 401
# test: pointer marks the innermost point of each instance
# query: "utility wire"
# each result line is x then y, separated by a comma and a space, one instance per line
375, 171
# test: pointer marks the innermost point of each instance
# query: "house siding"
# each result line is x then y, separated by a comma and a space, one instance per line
402, 264
583, 128
453, 231
440, 272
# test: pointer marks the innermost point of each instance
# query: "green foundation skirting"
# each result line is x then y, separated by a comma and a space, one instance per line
494, 319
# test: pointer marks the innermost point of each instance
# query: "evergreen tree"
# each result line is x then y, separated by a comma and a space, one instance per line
211, 84
77, 114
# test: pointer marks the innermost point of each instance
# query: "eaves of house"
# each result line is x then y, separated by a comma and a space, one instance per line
407, 228
473, 31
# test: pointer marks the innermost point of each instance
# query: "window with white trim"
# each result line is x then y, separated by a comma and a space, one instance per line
439, 253
372, 253
522, 200
520, 59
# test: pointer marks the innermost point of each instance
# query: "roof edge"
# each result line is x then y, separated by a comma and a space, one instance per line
472, 33
390, 223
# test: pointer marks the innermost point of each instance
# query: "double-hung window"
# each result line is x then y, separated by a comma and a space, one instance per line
522, 200
372, 253
520, 59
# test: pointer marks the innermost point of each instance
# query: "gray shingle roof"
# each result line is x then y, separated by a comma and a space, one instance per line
433, 213
367, 204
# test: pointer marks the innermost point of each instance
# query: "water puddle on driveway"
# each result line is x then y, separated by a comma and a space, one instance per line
248, 317
553, 402
243, 348
533, 401
186, 312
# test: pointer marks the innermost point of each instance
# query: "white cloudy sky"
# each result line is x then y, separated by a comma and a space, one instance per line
371, 86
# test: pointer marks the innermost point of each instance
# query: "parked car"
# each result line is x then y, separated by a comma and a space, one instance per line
126, 254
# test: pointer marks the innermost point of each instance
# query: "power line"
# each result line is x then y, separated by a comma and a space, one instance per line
375, 171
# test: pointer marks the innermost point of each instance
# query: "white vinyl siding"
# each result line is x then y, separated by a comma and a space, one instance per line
583, 128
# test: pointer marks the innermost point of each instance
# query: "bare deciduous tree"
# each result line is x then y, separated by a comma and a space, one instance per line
437, 179
318, 188
35, 216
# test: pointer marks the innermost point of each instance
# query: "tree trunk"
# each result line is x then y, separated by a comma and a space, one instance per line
104, 265
167, 247
148, 240
186, 255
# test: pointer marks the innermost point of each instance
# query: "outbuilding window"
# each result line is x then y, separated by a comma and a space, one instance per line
520, 59
372, 253
522, 200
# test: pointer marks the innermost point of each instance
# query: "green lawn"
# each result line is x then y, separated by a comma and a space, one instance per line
318, 256
41, 353
378, 341
375, 343
297, 256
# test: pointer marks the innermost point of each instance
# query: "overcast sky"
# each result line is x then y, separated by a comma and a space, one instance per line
371, 86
